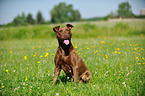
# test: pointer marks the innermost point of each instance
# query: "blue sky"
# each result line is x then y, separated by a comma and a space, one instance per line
88, 8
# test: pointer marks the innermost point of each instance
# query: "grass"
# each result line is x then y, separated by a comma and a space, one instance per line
116, 62
117, 66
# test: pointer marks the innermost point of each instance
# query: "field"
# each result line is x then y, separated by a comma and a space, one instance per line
113, 51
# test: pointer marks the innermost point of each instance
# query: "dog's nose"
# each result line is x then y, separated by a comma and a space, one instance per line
65, 35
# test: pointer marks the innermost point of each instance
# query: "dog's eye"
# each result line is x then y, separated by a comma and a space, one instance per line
67, 30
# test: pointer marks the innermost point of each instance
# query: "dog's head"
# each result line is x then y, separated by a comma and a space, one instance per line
63, 34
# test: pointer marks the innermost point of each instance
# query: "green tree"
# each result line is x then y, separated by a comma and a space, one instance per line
124, 9
20, 20
30, 19
64, 13
40, 19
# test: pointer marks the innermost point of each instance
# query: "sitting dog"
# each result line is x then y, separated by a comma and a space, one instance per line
66, 57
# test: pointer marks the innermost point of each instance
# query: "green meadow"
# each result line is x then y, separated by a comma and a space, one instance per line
114, 52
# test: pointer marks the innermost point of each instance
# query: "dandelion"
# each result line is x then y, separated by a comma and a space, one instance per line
39, 46
120, 63
143, 63
33, 48
52, 54
84, 55
101, 47
98, 54
27, 68
48, 71
106, 56
133, 52
119, 52
34, 55
25, 57
130, 45
88, 48
117, 49
86, 42
122, 43
26, 79
41, 56
7, 70
134, 48
102, 42
3, 86
142, 49
136, 57
116, 52
139, 63
76, 46
11, 52
136, 44
38, 62
142, 58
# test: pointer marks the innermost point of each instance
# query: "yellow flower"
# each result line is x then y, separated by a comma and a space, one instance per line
7, 70
25, 57
76, 46
134, 48
84, 55
41, 55
26, 79
38, 62
136, 44
110, 44
120, 63
138, 54
102, 42
138, 60
86, 42
39, 46
33, 48
133, 52
88, 48
142, 49
34, 55
52, 54
106, 56
136, 57
143, 63
142, 58
119, 52
3, 86
122, 43
130, 45
116, 52
101, 47
48, 71
139, 63
11, 52
27, 68
98, 54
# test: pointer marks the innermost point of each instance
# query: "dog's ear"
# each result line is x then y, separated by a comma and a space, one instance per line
55, 29
69, 26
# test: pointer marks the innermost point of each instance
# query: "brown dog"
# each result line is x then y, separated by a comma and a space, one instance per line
66, 57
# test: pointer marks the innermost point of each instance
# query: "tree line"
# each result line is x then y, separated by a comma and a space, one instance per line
65, 13
25, 20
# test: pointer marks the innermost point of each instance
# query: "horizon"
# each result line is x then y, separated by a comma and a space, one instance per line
10, 9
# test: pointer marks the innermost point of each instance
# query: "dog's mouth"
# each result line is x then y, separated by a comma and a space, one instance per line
66, 42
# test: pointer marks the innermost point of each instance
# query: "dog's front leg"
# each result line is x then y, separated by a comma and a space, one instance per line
75, 74
56, 74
